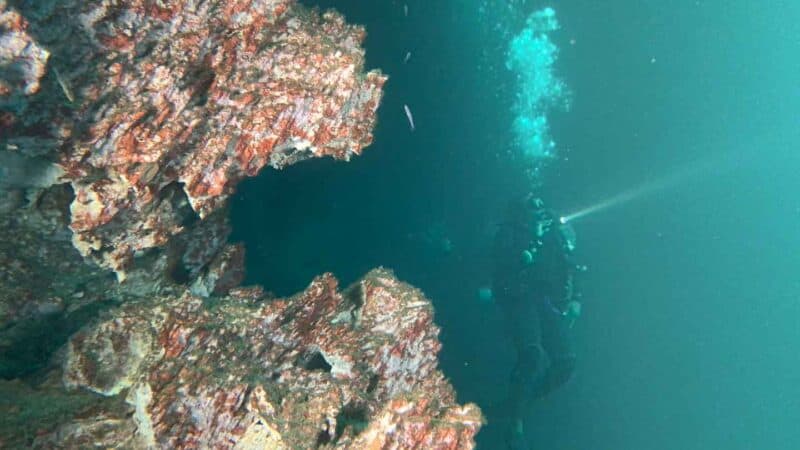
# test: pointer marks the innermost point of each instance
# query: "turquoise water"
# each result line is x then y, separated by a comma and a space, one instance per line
685, 113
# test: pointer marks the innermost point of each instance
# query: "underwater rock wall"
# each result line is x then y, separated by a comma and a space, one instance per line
124, 127
323, 369
141, 95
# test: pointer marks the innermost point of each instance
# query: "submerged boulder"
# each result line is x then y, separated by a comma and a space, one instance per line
325, 368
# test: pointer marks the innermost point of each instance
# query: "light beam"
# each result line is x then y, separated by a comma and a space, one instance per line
722, 164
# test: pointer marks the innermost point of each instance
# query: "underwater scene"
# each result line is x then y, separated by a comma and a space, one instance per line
399, 224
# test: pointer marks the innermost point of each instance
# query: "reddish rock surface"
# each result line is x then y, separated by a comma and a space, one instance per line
193, 94
22, 61
325, 369
124, 126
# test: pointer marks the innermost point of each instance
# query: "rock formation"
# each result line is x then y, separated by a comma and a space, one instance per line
327, 369
145, 96
124, 127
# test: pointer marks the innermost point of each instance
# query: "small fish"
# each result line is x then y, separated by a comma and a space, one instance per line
64, 86
408, 57
409, 116
405, 9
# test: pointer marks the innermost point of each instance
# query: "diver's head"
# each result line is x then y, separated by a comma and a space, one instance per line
534, 201
544, 220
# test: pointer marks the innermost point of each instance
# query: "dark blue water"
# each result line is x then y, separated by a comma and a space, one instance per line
690, 328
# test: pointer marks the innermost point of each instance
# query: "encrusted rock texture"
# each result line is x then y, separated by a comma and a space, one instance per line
44, 279
124, 127
323, 369
129, 97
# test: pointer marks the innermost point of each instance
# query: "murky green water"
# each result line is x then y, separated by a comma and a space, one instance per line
686, 109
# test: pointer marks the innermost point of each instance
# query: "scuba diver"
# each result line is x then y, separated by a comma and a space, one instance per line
533, 284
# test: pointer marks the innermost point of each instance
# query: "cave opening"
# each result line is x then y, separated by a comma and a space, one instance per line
423, 203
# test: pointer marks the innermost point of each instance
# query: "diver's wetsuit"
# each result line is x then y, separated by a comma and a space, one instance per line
532, 283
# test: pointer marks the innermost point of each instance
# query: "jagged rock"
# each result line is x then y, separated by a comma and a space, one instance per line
352, 369
22, 60
124, 126
223, 273
148, 96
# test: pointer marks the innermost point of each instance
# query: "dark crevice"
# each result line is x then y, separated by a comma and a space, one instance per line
314, 361
373, 383
175, 194
200, 81
355, 295
27, 346
324, 436
351, 416
180, 274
